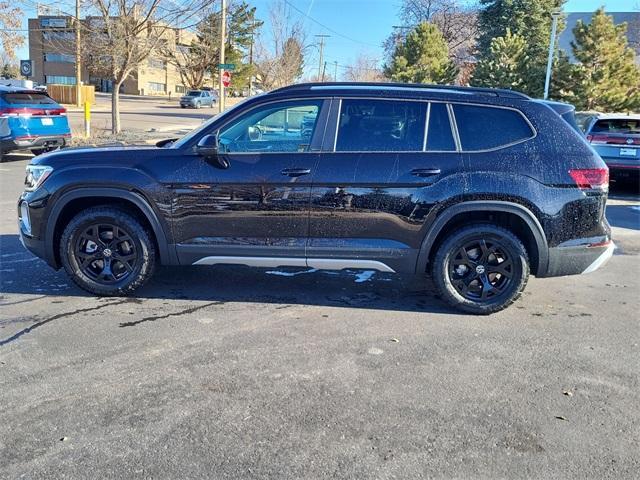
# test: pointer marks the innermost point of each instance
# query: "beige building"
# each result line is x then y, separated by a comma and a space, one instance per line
52, 50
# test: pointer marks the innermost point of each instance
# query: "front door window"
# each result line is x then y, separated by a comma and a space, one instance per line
282, 127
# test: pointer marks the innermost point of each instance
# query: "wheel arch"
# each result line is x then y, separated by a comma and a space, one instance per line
70, 203
512, 215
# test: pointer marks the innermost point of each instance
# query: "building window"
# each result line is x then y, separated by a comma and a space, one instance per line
59, 80
59, 57
58, 35
157, 87
157, 63
180, 89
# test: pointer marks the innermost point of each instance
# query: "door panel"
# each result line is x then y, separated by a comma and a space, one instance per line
377, 205
259, 205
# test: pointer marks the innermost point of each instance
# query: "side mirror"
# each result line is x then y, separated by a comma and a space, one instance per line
207, 147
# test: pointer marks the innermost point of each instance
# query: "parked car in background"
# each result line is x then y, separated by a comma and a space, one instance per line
31, 120
616, 138
476, 187
198, 99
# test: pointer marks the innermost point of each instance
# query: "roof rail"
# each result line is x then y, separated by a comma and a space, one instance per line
497, 92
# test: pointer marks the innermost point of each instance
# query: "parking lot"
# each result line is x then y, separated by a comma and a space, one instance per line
229, 372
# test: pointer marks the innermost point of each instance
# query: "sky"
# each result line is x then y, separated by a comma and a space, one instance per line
357, 26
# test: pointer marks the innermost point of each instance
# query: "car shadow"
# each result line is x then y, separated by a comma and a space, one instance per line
23, 273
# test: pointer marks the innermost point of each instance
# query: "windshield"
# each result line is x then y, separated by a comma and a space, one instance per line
617, 125
193, 93
29, 98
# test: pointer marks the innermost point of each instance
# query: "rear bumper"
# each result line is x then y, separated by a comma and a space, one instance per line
574, 259
25, 143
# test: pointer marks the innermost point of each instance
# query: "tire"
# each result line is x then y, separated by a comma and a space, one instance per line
183, 106
90, 235
198, 105
481, 283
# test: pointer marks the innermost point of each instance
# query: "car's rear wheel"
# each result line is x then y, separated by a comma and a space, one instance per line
481, 269
107, 251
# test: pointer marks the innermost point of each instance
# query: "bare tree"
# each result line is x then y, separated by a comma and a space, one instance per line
457, 22
10, 37
125, 33
280, 60
365, 68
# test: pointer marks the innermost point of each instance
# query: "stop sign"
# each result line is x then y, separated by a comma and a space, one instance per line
226, 78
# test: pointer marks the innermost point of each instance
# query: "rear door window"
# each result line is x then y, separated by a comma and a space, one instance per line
440, 135
368, 125
484, 128
29, 98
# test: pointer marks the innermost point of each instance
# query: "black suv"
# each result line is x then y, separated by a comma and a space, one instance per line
476, 187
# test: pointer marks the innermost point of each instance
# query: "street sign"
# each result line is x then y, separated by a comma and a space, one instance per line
26, 68
227, 66
226, 78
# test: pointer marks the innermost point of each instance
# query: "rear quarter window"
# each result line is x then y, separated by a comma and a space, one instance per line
27, 98
485, 128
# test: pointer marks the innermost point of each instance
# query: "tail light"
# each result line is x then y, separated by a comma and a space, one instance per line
597, 139
591, 178
27, 111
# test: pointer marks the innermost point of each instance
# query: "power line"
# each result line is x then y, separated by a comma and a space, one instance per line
329, 28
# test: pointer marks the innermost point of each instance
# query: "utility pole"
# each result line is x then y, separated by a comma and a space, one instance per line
324, 69
552, 48
78, 55
223, 34
321, 62
335, 71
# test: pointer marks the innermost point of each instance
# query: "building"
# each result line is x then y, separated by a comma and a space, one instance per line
632, 19
52, 48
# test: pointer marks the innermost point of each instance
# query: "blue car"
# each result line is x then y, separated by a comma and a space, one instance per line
616, 138
31, 120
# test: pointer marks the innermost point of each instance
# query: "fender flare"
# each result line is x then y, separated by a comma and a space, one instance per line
135, 198
486, 206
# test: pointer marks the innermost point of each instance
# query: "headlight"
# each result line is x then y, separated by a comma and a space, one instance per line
36, 175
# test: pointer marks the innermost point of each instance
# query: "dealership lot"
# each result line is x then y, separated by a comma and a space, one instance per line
237, 373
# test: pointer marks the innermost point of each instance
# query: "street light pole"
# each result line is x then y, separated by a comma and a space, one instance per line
223, 27
552, 48
78, 55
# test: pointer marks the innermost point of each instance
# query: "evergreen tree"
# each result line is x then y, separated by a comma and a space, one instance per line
423, 57
605, 76
530, 19
506, 64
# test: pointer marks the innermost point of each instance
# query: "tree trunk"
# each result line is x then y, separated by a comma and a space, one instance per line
115, 108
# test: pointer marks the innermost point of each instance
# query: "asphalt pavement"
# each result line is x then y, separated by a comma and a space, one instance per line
230, 372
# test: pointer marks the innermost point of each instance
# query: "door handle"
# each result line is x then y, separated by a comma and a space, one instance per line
296, 172
425, 172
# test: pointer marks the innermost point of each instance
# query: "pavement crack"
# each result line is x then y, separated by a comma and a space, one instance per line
31, 328
186, 311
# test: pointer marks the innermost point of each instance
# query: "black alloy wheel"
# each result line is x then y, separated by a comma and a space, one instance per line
105, 252
481, 269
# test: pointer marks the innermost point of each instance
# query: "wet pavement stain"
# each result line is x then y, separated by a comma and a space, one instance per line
39, 324
154, 318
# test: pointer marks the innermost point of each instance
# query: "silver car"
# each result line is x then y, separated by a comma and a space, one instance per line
198, 99
616, 138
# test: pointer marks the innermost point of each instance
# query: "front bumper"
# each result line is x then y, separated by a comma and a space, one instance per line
572, 259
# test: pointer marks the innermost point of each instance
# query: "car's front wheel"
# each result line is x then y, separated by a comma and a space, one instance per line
107, 251
481, 269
